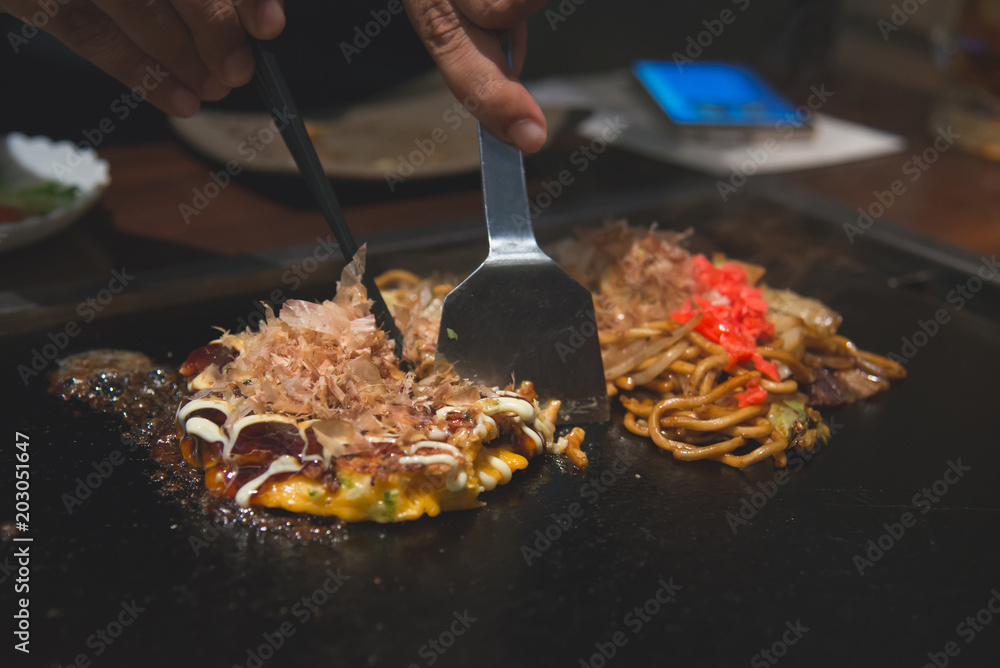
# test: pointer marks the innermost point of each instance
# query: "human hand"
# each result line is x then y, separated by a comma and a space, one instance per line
179, 52
459, 34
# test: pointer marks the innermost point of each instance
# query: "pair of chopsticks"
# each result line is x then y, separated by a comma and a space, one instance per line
272, 87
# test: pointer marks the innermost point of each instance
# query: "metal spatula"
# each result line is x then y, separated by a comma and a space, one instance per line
519, 315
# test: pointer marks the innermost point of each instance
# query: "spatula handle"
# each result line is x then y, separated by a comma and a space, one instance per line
505, 192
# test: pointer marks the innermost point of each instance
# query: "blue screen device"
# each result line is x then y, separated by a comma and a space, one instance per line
715, 95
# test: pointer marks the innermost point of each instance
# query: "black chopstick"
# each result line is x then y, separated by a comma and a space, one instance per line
272, 87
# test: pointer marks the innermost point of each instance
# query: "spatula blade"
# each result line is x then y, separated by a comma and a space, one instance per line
527, 321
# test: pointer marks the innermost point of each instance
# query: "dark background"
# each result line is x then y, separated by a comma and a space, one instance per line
47, 89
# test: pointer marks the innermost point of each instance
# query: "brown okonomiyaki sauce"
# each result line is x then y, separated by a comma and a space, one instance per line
145, 396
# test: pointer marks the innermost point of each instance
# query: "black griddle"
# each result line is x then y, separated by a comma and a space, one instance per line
636, 562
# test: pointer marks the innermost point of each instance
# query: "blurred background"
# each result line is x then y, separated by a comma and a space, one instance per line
888, 64
792, 42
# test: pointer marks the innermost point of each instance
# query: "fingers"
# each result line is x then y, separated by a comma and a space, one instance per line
95, 36
264, 19
165, 38
497, 14
202, 42
219, 38
218, 25
177, 51
472, 63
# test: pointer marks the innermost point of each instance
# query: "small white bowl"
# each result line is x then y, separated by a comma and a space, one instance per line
35, 159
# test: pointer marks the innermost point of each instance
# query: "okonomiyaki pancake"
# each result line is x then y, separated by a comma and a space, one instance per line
313, 414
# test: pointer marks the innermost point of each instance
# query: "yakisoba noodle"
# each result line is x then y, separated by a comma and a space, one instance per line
693, 413
748, 395
739, 399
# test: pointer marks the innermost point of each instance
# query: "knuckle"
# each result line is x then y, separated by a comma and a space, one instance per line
221, 14
444, 30
92, 32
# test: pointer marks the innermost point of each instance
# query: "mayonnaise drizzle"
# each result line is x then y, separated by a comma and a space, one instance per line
487, 481
443, 412
501, 467
544, 427
204, 429
523, 409
534, 437
457, 478
200, 404
203, 380
387, 438
420, 445
283, 464
425, 460
486, 429
234, 431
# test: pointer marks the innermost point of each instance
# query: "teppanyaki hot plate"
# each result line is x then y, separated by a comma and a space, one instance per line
875, 552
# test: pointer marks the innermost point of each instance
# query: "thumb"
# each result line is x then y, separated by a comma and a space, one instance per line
474, 68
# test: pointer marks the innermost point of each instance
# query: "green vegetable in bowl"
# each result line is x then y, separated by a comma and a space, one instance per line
35, 199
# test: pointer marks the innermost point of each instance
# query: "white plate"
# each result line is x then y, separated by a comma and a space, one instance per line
417, 130
31, 160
